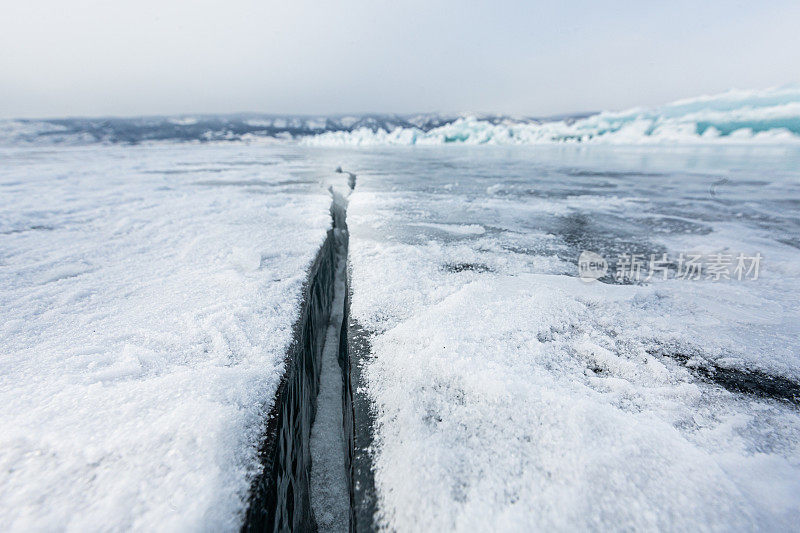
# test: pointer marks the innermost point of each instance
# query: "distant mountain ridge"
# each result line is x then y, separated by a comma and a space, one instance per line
762, 116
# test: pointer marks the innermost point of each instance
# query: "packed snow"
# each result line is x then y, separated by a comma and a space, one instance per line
510, 395
148, 297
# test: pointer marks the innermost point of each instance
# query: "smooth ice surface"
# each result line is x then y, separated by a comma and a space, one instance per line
511, 395
147, 297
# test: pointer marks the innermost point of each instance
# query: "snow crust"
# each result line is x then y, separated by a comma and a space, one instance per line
770, 116
147, 298
512, 396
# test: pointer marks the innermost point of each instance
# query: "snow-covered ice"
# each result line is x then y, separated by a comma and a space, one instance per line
148, 294
511, 395
147, 297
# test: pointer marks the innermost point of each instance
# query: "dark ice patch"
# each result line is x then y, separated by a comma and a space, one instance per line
250, 183
466, 267
584, 173
29, 228
739, 380
673, 225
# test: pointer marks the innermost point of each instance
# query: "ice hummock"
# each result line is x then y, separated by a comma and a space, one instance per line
769, 116
148, 297
245, 128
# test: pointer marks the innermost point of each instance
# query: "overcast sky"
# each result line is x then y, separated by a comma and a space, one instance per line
134, 57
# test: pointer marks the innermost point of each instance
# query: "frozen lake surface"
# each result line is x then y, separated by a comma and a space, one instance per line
148, 295
509, 394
